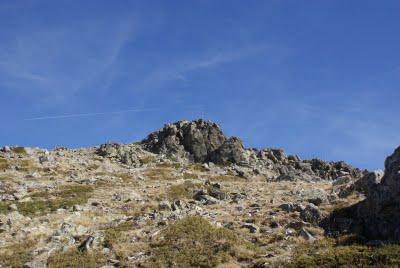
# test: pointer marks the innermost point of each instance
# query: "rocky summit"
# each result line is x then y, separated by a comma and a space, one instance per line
189, 196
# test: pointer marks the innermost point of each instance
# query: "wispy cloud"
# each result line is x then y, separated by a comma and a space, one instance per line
48, 64
181, 68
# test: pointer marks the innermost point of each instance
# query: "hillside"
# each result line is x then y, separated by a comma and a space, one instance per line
188, 196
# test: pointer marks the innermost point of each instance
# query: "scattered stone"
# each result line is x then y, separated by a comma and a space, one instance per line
251, 227
311, 214
341, 180
164, 205
306, 235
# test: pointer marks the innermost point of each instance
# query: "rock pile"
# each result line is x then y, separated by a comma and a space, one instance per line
203, 141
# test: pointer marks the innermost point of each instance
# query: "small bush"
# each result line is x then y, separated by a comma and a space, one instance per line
75, 258
194, 242
16, 255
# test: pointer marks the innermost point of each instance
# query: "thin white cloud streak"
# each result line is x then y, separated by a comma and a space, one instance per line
181, 69
66, 116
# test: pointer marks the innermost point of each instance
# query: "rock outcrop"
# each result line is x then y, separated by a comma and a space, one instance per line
200, 141
378, 216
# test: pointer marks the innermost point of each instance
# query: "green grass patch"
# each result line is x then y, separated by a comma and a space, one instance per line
331, 256
169, 165
16, 255
75, 258
194, 242
46, 201
4, 164
18, 150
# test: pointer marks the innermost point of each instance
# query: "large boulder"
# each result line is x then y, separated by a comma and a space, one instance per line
200, 141
231, 151
368, 182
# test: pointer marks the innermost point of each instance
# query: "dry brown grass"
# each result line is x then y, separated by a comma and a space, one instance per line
160, 173
181, 191
16, 255
75, 258
326, 253
4, 164
119, 240
194, 242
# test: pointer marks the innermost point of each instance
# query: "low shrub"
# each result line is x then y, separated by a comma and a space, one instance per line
194, 242
347, 256
75, 258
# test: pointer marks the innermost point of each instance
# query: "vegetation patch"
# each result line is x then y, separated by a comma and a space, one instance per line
75, 258
194, 242
119, 240
330, 255
169, 165
227, 177
181, 191
4, 164
198, 167
16, 255
18, 150
146, 160
46, 202
27, 165
160, 174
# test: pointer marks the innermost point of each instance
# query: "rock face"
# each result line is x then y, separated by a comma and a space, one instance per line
199, 140
378, 216
381, 209
231, 151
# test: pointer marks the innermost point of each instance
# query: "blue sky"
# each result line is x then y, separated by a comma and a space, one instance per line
317, 78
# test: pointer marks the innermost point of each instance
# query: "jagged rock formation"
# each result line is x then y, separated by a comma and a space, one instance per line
196, 140
203, 141
377, 217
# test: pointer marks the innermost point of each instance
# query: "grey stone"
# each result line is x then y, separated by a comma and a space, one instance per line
251, 227
341, 180
306, 235
311, 214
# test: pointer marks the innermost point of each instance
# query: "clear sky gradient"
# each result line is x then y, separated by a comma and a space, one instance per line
316, 78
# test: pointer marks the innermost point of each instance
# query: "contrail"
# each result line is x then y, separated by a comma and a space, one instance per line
95, 114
